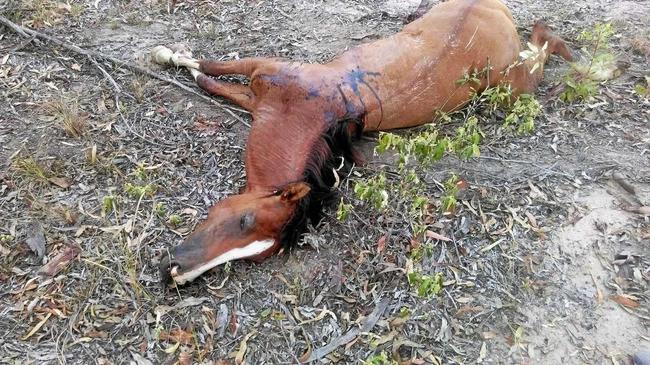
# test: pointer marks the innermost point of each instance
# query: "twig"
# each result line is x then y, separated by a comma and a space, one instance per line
28, 33
116, 95
368, 324
524, 162
22, 45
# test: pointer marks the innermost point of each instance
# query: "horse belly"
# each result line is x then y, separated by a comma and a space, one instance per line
424, 76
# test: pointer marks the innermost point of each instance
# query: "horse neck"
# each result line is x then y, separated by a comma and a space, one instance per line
284, 142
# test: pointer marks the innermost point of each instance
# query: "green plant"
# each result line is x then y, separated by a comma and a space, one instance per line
6, 238
404, 312
475, 77
139, 191
140, 172
578, 88
161, 209
451, 189
175, 220
373, 191
380, 359
496, 97
109, 204
523, 114
426, 286
417, 253
343, 211
465, 144
642, 90
425, 147
581, 82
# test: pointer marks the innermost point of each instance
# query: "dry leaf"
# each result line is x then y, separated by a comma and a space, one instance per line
63, 7
205, 127
222, 320
386, 338
161, 310
599, 293
487, 335
462, 184
243, 346
37, 327
4, 251
482, 353
624, 301
286, 298
305, 356
381, 243
171, 349
36, 240
61, 182
176, 335
185, 358
531, 219
468, 309
436, 236
140, 360
190, 211
644, 210
60, 261
535, 192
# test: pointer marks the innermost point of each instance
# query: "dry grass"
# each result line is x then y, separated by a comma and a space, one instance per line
68, 115
44, 13
138, 87
31, 169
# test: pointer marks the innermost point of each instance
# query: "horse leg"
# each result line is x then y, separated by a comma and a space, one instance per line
246, 66
525, 77
239, 94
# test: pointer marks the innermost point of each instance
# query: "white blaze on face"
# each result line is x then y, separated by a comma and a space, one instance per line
252, 249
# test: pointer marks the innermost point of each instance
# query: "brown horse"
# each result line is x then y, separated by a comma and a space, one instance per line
306, 115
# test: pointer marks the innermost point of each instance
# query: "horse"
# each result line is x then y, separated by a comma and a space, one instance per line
307, 116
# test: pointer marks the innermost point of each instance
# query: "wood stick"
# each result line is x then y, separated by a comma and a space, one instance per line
29, 33
368, 324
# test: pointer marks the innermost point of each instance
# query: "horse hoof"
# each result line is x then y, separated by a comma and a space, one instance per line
181, 49
161, 55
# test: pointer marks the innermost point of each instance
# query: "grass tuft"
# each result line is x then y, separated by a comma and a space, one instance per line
31, 169
70, 118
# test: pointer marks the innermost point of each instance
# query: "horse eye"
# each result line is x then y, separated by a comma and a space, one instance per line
246, 221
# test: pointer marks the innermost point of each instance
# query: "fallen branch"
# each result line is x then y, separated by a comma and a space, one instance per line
116, 94
368, 324
29, 33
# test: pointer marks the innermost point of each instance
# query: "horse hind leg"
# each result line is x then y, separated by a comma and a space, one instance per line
525, 77
542, 34
239, 94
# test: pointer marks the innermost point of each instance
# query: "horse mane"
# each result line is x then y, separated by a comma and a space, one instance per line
335, 143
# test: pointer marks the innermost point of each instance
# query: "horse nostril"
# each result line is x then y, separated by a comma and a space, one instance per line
168, 269
174, 271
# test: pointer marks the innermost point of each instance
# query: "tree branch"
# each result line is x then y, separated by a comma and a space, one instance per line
29, 33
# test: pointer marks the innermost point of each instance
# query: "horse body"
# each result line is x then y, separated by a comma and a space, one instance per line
305, 114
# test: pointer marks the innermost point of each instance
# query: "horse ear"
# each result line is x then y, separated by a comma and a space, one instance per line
294, 192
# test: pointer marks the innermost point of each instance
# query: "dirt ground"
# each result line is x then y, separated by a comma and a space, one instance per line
548, 263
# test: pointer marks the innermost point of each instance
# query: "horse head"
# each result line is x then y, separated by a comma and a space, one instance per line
247, 225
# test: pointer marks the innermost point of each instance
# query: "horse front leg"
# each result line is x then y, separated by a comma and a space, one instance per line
239, 94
